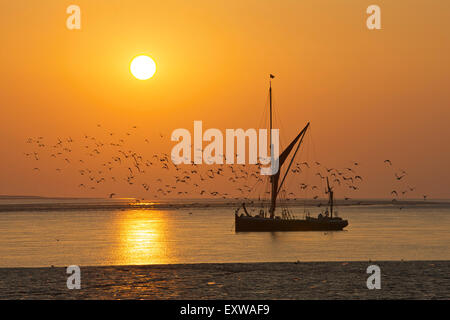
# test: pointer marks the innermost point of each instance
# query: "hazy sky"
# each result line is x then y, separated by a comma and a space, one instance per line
369, 95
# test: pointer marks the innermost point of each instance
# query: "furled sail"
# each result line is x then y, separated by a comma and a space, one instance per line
281, 160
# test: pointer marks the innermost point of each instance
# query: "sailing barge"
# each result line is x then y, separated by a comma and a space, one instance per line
324, 222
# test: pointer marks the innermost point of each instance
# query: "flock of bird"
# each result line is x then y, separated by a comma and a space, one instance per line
105, 160
399, 177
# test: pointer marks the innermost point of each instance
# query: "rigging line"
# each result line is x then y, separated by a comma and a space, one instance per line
291, 182
277, 120
253, 188
314, 155
313, 145
292, 159
311, 140
282, 134
306, 179
262, 120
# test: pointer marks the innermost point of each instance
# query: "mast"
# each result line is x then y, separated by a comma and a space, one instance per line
270, 104
281, 158
331, 203
330, 198
272, 205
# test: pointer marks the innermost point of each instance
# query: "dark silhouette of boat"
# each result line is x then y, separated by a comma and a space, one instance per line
324, 222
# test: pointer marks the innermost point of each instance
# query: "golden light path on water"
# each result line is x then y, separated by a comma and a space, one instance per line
142, 238
206, 235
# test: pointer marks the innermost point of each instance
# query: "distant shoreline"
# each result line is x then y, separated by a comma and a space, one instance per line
6, 197
70, 204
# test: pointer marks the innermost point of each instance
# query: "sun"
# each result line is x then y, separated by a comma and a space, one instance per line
143, 67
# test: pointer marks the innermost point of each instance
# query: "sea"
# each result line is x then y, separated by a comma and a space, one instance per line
46, 232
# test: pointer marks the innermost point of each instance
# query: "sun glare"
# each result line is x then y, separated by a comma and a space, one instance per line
143, 67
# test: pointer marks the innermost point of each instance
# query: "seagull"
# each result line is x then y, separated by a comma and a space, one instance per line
305, 163
399, 177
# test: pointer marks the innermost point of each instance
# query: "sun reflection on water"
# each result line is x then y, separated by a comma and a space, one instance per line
143, 236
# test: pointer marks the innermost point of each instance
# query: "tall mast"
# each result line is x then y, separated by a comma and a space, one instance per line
281, 158
331, 203
270, 103
330, 200
272, 180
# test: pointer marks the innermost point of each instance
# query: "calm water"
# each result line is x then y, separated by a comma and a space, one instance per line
124, 237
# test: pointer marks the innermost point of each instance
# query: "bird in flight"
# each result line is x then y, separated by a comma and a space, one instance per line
399, 177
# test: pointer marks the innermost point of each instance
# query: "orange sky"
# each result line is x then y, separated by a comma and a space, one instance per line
369, 95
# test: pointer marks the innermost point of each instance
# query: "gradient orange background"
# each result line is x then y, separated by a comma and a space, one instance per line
369, 95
